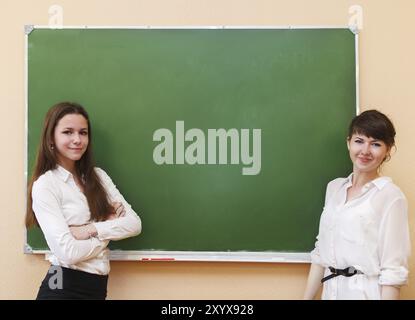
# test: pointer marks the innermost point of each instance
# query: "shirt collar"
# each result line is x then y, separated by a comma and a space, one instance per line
62, 173
378, 182
381, 182
349, 179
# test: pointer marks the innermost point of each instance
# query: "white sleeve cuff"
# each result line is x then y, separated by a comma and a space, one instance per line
396, 276
315, 256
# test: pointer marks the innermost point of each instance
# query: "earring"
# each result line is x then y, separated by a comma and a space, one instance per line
51, 146
387, 158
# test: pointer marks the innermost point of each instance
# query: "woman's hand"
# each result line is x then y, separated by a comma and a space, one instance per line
83, 232
119, 211
87, 231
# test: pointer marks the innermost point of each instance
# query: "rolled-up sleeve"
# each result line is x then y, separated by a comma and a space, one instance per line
394, 244
46, 206
315, 254
120, 228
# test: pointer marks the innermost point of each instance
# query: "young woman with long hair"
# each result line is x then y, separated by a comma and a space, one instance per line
77, 206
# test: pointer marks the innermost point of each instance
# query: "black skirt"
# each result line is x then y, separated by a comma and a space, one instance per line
67, 284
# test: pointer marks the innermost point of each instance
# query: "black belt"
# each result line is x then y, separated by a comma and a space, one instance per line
347, 272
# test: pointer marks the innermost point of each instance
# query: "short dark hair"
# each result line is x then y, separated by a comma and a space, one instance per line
374, 124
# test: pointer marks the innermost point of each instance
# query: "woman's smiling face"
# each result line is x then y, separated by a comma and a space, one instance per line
71, 139
366, 153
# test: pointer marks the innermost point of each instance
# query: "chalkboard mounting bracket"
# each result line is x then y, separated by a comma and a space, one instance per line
28, 28
354, 28
27, 249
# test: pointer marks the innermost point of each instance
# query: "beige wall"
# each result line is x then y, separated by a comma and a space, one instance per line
387, 52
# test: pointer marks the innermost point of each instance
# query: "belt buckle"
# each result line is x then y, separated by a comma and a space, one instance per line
351, 271
333, 270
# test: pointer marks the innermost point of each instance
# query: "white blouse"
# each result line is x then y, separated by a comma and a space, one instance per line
59, 203
370, 233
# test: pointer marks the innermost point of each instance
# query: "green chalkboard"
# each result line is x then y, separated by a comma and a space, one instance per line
297, 86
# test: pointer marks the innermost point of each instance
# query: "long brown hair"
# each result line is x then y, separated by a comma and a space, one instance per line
46, 160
